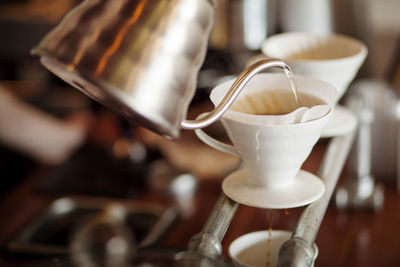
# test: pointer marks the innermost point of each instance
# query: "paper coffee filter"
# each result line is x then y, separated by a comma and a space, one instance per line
281, 107
275, 103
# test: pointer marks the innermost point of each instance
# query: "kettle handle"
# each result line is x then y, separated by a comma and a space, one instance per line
233, 92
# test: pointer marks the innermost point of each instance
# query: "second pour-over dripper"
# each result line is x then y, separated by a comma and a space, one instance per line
332, 58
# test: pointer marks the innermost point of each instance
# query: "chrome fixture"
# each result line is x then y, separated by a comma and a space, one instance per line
361, 191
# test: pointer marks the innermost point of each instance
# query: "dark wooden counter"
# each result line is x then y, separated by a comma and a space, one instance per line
346, 238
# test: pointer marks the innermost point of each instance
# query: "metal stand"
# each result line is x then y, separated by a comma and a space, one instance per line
298, 251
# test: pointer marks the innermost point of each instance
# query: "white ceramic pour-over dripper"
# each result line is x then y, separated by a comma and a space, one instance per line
272, 153
333, 58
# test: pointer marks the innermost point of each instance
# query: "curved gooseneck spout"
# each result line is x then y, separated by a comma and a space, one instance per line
234, 91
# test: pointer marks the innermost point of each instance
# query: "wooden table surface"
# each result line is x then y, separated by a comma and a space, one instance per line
346, 238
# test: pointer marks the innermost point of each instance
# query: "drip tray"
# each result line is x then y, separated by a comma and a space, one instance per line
51, 232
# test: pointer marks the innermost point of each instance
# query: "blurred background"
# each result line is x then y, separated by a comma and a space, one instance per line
77, 147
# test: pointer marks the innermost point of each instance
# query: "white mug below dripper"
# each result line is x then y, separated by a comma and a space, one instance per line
253, 249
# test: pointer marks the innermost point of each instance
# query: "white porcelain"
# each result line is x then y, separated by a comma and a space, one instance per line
332, 58
272, 153
251, 249
303, 190
342, 121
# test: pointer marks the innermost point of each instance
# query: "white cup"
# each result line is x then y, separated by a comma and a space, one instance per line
272, 153
333, 58
252, 249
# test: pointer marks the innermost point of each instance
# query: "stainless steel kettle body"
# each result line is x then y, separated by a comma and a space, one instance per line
140, 57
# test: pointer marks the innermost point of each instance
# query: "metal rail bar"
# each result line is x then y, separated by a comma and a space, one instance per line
208, 241
299, 251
